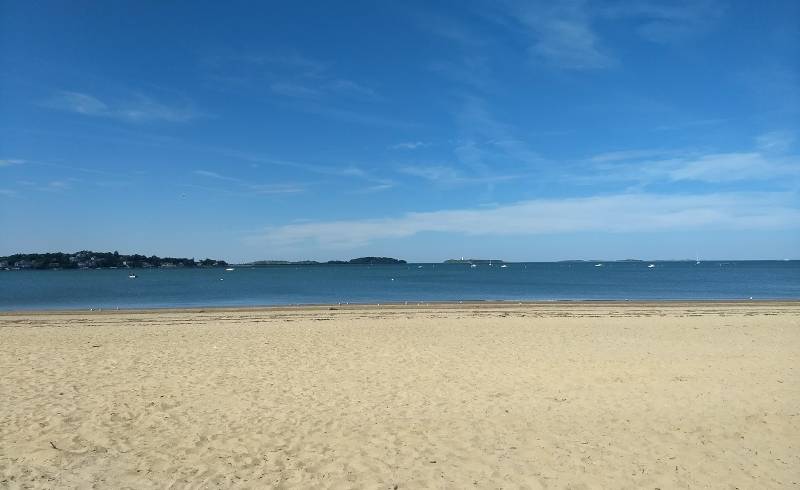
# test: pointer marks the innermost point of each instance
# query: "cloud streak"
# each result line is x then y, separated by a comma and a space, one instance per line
666, 22
601, 214
447, 175
564, 34
409, 145
257, 189
559, 34
776, 141
140, 109
303, 84
645, 166
728, 167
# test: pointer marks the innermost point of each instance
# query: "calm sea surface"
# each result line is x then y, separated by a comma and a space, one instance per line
283, 285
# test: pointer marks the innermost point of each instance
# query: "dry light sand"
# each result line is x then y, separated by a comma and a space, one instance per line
459, 396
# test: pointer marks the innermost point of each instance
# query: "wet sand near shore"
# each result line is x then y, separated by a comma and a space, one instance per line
473, 395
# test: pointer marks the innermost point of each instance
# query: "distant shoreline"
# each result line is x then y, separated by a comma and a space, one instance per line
415, 305
87, 259
398, 262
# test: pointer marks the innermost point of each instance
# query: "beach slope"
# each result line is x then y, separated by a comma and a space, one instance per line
661, 395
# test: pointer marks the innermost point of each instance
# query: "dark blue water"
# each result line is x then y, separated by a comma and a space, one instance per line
282, 285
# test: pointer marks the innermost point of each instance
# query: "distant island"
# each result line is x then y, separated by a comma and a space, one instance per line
358, 261
473, 261
598, 260
86, 259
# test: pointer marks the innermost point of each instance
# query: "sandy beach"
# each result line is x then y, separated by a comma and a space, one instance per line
605, 395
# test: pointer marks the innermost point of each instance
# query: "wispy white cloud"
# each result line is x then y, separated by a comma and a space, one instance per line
371, 189
666, 22
255, 160
59, 185
263, 189
622, 155
486, 152
688, 124
448, 175
292, 89
56, 185
727, 167
561, 34
776, 141
435, 173
409, 145
654, 166
290, 75
305, 84
7, 162
8, 192
140, 108
565, 34
352, 89
72, 169
569, 43
488, 145
254, 188
610, 214
215, 175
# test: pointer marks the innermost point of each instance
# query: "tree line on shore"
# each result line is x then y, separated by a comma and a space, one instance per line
87, 259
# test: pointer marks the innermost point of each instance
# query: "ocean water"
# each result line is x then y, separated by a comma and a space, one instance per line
286, 285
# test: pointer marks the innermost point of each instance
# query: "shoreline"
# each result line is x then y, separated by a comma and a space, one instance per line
412, 305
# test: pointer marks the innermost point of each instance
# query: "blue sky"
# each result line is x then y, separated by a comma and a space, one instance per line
518, 130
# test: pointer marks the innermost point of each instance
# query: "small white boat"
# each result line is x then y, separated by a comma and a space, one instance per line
229, 269
651, 266
131, 276
503, 266
473, 265
419, 267
598, 265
